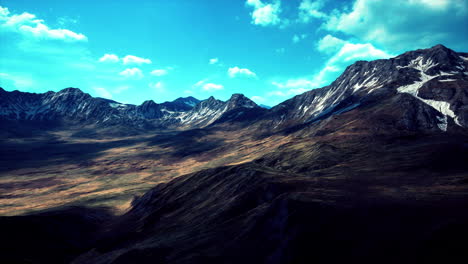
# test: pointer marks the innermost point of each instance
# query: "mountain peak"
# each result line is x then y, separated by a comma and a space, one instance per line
189, 100
70, 90
181, 104
439, 46
438, 53
148, 103
237, 96
240, 100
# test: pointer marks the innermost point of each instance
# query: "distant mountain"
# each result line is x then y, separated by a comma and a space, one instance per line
420, 90
72, 105
210, 110
181, 104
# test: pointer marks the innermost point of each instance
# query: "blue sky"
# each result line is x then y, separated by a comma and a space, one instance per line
269, 50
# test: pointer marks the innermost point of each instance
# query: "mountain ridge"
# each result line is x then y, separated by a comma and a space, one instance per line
423, 73
72, 103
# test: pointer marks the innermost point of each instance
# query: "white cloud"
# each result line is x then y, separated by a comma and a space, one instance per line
159, 72
214, 60
130, 59
66, 20
109, 58
133, 73
404, 24
311, 9
297, 38
208, 86
121, 89
19, 82
347, 54
330, 44
212, 86
28, 25
294, 83
265, 14
258, 99
158, 86
236, 71
200, 83
102, 92
293, 87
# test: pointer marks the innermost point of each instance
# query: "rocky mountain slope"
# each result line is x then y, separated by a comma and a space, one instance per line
73, 106
436, 79
370, 169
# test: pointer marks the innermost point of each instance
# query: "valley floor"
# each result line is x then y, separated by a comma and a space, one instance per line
227, 195
58, 168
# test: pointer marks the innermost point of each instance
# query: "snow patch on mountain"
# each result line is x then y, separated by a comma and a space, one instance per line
419, 64
441, 106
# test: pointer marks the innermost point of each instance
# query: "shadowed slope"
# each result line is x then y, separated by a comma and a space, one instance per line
55, 236
390, 200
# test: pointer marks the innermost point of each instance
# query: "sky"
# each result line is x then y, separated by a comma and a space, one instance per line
268, 50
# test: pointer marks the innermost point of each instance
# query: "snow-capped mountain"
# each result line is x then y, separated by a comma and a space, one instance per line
429, 88
181, 104
210, 110
437, 78
71, 104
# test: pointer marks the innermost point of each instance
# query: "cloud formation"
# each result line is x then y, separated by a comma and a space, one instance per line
330, 44
402, 25
296, 38
159, 72
214, 61
265, 14
237, 72
309, 10
257, 99
130, 59
20, 82
157, 86
206, 86
346, 53
109, 58
292, 87
132, 73
30, 26
102, 92
212, 86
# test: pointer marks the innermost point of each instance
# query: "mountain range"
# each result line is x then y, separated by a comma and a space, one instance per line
434, 78
372, 168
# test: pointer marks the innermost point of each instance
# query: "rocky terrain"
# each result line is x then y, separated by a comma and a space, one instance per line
372, 169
